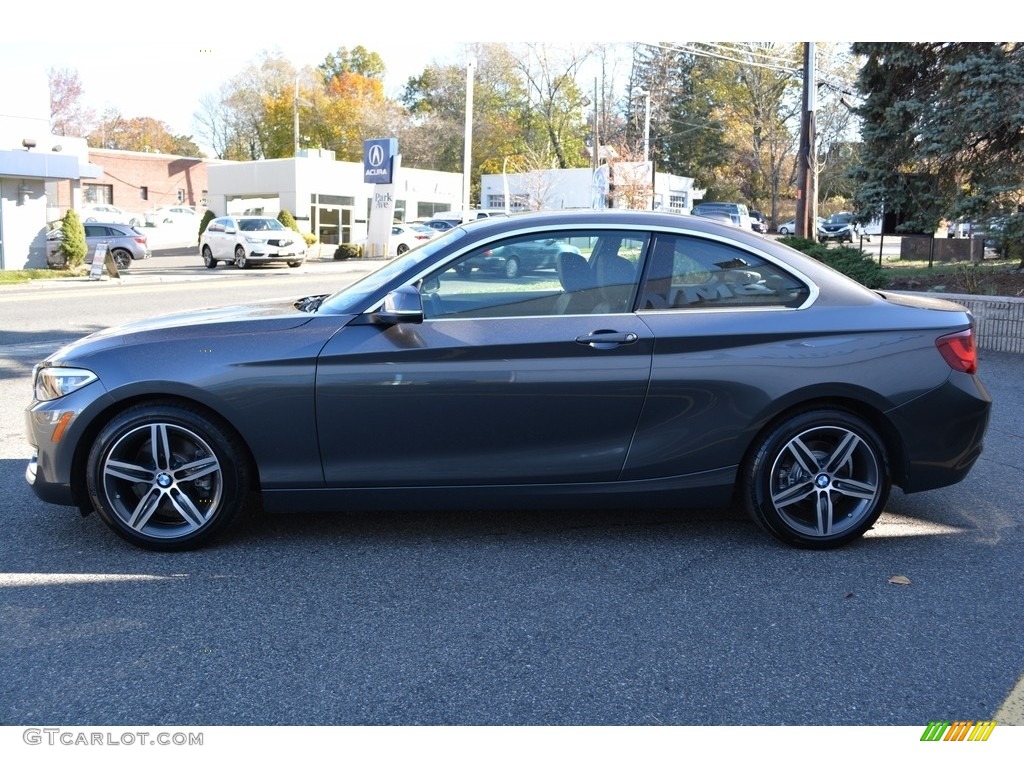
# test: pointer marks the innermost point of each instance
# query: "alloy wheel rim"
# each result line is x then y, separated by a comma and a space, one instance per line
162, 480
825, 481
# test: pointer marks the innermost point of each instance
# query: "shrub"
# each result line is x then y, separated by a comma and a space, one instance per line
73, 246
850, 261
348, 251
287, 220
207, 218
309, 237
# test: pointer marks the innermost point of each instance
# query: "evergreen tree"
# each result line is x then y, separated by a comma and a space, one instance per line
287, 220
943, 131
73, 246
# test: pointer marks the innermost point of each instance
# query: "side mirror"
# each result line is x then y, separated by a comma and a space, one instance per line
404, 305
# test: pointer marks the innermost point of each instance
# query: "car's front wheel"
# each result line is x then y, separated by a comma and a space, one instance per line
166, 477
817, 480
240, 260
208, 260
121, 258
512, 267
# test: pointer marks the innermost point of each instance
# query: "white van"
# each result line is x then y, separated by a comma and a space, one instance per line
737, 212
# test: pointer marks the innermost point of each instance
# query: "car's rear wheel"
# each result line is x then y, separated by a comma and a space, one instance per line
294, 264
817, 480
121, 257
208, 260
166, 477
240, 260
402, 248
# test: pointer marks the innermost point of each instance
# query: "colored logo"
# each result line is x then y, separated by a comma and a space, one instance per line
378, 155
961, 730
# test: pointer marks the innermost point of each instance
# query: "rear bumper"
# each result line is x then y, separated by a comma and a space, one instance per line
943, 452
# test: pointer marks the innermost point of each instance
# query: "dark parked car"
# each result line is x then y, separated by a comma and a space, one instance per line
758, 222
840, 227
670, 361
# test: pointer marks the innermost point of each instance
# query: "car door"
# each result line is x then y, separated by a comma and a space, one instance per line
724, 320
221, 242
498, 385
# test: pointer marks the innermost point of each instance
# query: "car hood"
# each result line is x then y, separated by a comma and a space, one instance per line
273, 234
261, 318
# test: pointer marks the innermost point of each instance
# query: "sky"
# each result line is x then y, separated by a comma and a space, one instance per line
160, 59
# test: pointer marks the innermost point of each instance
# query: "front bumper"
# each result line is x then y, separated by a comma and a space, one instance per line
55, 430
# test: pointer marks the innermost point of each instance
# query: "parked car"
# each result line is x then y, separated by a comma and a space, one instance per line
789, 227
841, 227
442, 225
248, 240
719, 216
737, 212
758, 222
519, 257
174, 215
671, 361
406, 236
106, 212
125, 244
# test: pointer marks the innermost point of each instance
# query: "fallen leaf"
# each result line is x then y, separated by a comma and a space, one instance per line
899, 580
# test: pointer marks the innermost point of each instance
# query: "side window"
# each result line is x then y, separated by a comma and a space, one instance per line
551, 273
696, 273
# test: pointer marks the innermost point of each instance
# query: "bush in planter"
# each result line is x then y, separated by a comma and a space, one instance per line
309, 237
348, 251
287, 220
73, 247
207, 218
850, 261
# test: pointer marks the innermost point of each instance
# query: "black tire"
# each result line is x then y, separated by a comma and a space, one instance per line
121, 258
240, 261
511, 267
402, 248
817, 480
166, 477
783, 231
294, 264
208, 260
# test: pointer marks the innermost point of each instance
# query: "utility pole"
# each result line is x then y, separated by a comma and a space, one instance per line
807, 188
467, 146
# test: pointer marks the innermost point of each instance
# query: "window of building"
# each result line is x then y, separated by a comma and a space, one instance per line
95, 194
181, 195
144, 193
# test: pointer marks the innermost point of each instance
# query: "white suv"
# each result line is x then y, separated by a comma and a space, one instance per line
248, 240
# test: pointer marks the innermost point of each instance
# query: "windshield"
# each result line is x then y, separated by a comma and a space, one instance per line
353, 298
257, 225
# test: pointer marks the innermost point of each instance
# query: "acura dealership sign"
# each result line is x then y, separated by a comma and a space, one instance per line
378, 157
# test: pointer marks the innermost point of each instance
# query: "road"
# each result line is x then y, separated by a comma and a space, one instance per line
633, 617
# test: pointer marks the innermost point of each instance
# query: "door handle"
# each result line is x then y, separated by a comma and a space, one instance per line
607, 339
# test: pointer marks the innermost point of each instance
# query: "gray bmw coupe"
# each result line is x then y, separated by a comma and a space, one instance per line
656, 360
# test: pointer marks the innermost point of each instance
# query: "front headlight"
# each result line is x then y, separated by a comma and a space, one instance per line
51, 382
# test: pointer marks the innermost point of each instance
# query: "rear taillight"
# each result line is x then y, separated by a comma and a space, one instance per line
140, 240
959, 351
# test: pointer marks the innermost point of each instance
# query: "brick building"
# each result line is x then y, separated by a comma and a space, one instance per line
139, 181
